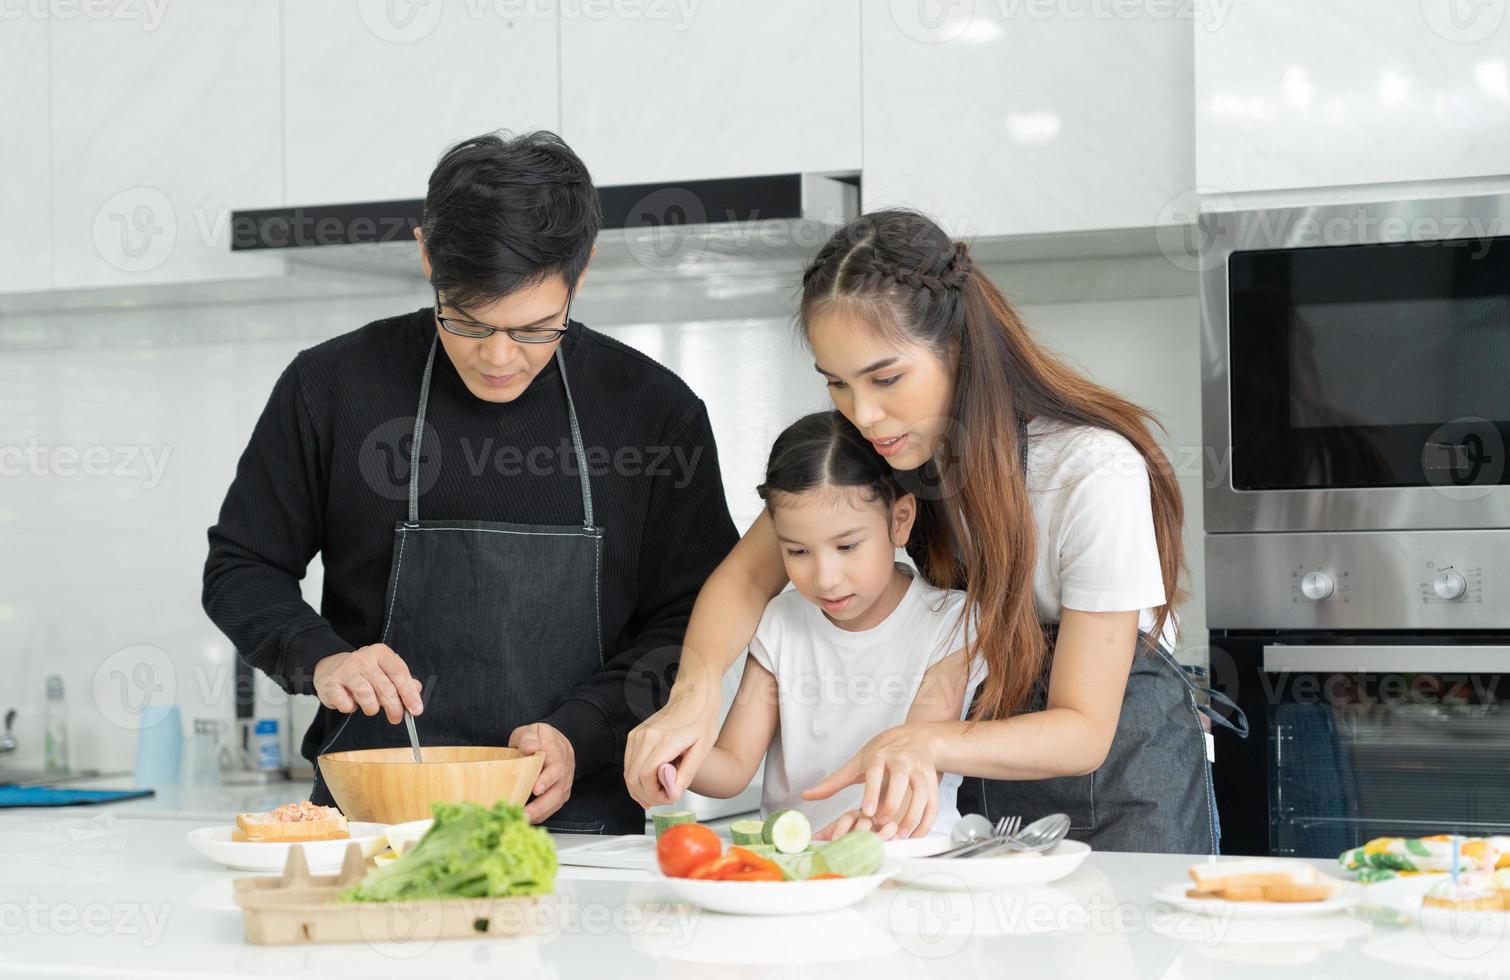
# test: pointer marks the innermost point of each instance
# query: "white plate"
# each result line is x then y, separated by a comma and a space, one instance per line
402, 836
776, 897
323, 855
630, 852
997, 873
1347, 896
1405, 898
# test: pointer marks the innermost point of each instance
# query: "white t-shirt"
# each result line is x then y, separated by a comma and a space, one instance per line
1096, 546
838, 688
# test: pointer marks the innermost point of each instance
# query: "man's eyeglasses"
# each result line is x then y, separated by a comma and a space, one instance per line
481, 331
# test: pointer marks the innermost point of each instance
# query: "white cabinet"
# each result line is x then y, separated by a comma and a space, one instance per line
1028, 117
26, 244
685, 90
1352, 92
164, 118
374, 90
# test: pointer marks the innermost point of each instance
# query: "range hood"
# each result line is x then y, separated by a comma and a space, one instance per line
739, 228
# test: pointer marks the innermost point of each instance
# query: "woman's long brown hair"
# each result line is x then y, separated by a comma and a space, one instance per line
902, 273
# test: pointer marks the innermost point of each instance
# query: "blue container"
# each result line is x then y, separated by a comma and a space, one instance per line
268, 746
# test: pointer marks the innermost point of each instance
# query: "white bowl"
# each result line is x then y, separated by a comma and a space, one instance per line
322, 855
1002, 872
776, 897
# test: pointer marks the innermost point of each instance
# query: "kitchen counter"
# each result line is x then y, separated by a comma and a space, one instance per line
144, 904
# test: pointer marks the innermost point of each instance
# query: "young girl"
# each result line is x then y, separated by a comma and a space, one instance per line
861, 643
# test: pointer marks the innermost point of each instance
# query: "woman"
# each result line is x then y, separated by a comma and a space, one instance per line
1045, 498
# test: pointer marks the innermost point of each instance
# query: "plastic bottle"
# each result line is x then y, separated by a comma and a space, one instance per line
55, 727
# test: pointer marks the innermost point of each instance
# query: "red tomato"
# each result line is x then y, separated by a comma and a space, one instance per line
684, 847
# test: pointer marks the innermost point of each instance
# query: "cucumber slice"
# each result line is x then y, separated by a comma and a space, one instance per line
746, 832
800, 867
857, 853
665, 821
788, 830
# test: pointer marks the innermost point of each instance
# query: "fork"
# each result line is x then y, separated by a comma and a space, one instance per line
1004, 829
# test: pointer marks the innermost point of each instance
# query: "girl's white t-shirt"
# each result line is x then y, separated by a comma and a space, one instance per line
838, 688
1091, 503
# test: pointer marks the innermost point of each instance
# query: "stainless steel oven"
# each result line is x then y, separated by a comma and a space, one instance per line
1356, 395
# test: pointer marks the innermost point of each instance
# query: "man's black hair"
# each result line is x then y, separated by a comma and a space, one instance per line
504, 212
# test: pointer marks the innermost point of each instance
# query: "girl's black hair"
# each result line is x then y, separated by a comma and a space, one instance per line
504, 212
825, 449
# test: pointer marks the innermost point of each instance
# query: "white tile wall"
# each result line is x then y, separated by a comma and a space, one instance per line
97, 564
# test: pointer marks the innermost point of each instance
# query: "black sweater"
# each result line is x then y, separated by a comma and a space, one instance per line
317, 477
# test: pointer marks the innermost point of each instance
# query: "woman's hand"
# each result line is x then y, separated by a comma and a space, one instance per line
681, 732
901, 784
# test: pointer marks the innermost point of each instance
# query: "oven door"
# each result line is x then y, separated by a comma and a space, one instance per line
1356, 358
1363, 737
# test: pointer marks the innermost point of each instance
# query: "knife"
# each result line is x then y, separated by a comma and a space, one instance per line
413, 735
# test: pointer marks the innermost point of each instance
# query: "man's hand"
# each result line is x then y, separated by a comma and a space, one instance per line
553, 786
372, 678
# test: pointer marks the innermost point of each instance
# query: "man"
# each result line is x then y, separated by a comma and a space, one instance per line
512, 510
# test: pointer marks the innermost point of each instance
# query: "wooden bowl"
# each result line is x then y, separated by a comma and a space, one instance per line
388, 786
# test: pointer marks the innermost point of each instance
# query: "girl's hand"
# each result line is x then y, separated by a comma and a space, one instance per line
901, 784
682, 732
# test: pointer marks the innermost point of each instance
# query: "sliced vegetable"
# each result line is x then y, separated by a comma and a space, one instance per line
671, 818
800, 867
684, 847
747, 832
825, 876
857, 853
714, 869
788, 830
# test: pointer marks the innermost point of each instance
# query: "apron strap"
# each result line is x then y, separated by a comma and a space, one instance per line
1238, 723
576, 441
419, 434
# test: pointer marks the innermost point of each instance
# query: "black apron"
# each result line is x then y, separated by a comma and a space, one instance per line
497, 621
1154, 791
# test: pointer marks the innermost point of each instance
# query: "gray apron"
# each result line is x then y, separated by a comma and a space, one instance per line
497, 621
1154, 791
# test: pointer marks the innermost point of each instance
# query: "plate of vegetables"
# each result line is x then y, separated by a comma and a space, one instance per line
783, 871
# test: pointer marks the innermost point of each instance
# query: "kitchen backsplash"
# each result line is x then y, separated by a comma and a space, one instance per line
121, 429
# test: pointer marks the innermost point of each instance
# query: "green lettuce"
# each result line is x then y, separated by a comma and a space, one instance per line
471, 851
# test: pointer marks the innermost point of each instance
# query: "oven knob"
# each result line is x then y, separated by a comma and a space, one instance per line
1316, 585
1449, 584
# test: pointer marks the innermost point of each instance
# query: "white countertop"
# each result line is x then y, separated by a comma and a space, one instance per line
149, 906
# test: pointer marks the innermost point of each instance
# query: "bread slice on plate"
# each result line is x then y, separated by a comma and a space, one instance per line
1260, 880
291, 823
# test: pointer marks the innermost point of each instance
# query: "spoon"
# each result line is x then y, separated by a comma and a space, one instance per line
971, 828
413, 735
1004, 829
